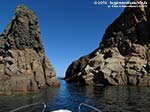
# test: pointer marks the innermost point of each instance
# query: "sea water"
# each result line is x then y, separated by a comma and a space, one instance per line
68, 96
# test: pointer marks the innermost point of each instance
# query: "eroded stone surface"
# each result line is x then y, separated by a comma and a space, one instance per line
123, 56
23, 64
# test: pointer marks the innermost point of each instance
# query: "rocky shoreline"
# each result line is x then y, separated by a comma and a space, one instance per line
123, 56
24, 66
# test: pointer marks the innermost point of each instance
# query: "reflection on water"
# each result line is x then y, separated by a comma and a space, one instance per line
107, 99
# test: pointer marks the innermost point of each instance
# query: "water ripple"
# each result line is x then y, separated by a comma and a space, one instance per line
108, 99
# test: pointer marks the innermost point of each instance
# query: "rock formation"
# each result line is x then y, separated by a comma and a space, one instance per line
123, 56
23, 64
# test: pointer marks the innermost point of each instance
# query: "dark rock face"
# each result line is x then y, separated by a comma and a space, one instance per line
123, 56
23, 31
23, 64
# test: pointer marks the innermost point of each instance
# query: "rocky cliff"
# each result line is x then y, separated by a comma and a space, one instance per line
123, 56
23, 64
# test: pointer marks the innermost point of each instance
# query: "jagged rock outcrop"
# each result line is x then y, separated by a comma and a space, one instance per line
123, 56
23, 64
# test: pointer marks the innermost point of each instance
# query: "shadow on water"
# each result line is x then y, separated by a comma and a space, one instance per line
67, 96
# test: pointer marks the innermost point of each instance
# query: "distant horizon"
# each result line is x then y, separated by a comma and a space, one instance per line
69, 29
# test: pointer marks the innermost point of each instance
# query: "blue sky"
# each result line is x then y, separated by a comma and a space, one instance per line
69, 28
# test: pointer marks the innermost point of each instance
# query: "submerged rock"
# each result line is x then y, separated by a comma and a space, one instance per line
23, 64
123, 56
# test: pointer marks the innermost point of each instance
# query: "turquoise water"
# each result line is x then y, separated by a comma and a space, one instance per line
107, 99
